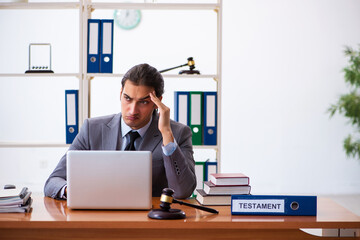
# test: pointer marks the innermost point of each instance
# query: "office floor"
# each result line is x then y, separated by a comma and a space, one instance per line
351, 202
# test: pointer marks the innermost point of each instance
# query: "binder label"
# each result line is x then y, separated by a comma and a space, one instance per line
258, 205
94, 33
210, 112
196, 109
107, 38
71, 109
183, 109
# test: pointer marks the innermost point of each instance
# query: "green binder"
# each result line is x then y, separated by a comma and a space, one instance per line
196, 117
200, 175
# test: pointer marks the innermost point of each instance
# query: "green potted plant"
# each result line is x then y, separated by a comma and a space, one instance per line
349, 104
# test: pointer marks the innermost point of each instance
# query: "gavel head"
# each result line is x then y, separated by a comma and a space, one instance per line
191, 63
166, 198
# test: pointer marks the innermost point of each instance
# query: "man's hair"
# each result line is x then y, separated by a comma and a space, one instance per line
145, 75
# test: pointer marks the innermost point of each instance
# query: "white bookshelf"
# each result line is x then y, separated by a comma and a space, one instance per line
85, 7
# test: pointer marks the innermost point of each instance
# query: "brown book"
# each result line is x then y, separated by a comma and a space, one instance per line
206, 199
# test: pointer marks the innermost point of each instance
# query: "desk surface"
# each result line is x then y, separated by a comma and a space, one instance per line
50, 219
47, 213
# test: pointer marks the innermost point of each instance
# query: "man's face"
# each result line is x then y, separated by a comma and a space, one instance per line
136, 105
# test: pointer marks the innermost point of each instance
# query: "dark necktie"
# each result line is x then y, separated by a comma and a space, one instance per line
131, 146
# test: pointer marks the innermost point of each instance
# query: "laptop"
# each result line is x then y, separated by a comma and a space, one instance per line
109, 180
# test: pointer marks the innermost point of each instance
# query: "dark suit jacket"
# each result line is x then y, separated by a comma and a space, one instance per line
102, 133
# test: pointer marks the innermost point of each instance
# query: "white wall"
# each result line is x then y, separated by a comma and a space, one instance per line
282, 64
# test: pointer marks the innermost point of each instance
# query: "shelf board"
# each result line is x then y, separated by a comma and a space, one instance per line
214, 147
39, 75
164, 75
40, 5
189, 76
111, 5
155, 6
104, 75
32, 145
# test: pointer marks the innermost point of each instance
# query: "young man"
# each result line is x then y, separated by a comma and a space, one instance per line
169, 141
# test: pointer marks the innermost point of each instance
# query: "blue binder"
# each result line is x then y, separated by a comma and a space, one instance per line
210, 167
106, 45
93, 46
181, 102
71, 114
273, 205
210, 118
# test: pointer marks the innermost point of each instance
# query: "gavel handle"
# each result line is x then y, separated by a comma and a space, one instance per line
196, 206
168, 69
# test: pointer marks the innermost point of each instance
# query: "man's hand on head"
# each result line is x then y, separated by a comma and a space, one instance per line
164, 119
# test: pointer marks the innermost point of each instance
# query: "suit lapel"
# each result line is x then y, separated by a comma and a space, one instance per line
152, 137
110, 133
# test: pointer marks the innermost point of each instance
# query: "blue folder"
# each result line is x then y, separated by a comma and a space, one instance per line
210, 167
181, 107
106, 45
273, 205
93, 46
71, 115
210, 118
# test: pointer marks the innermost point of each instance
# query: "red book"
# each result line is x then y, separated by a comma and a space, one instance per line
229, 179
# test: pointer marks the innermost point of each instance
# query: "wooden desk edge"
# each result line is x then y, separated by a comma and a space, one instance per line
196, 220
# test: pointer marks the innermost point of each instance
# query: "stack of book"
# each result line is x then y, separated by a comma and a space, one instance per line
221, 186
15, 200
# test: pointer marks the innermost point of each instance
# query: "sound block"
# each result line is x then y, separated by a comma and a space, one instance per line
39, 71
189, 72
166, 214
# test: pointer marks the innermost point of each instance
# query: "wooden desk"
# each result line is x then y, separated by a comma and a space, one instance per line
50, 219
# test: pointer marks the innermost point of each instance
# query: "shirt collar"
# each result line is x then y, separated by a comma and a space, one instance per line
125, 128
